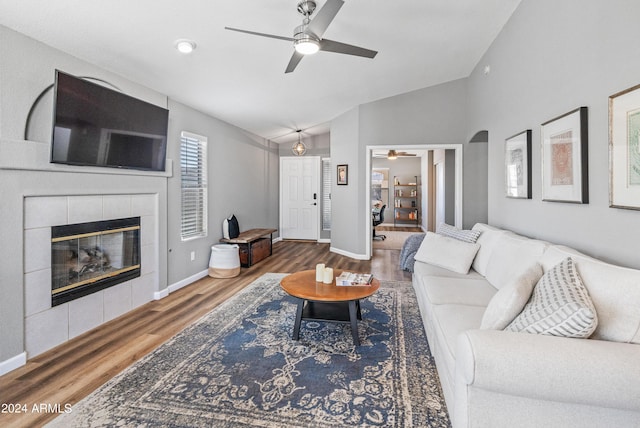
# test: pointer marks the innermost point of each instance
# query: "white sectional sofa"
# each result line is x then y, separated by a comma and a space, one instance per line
497, 378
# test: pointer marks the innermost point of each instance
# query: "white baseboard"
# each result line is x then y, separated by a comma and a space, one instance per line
178, 285
324, 241
274, 240
13, 363
348, 254
161, 294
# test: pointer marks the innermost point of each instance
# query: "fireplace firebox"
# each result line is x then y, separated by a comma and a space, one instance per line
89, 257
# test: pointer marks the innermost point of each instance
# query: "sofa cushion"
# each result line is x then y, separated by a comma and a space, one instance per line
457, 233
450, 321
509, 301
448, 253
511, 257
467, 291
425, 269
488, 240
560, 306
614, 290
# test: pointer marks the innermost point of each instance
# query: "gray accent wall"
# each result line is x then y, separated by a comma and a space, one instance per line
243, 176
317, 145
434, 115
26, 69
553, 57
243, 173
347, 232
450, 194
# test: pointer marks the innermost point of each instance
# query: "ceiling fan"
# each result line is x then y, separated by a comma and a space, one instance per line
392, 154
307, 38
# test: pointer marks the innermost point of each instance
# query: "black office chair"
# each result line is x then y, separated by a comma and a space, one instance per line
378, 221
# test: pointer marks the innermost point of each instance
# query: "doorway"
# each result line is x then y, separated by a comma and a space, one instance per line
300, 197
427, 182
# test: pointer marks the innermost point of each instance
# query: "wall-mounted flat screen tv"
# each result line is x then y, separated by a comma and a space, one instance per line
97, 126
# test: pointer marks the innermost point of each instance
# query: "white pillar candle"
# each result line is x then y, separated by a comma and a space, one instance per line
320, 272
328, 275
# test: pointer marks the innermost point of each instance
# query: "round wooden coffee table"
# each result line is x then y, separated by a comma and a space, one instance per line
326, 302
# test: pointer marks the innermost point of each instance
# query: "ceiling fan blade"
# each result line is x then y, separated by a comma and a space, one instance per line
319, 24
289, 39
293, 62
343, 48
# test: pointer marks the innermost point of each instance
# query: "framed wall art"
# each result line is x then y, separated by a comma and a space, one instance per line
517, 165
624, 149
565, 175
343, 175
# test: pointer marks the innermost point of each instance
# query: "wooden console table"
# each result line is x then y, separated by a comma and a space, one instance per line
254, 245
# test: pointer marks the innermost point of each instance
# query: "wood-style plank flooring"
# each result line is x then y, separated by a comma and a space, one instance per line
71, 371
392, 228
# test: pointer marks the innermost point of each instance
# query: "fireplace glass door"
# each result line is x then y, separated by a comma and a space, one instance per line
84, 260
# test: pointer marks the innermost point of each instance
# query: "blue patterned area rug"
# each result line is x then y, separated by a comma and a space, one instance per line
239, 367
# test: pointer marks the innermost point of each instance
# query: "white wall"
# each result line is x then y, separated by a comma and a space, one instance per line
553, 57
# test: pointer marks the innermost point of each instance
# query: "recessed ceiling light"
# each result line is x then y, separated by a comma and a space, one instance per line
185, 46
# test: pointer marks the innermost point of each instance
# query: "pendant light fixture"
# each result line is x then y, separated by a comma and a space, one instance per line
299, 148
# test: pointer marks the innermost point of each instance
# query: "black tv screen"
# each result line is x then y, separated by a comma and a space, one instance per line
97, 126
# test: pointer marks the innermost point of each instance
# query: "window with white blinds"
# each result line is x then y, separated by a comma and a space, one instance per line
326, 194
193, 171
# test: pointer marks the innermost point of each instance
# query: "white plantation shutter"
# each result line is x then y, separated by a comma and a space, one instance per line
326, 194
193, 170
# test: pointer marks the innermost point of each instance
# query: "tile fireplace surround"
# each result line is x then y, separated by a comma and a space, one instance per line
47, 326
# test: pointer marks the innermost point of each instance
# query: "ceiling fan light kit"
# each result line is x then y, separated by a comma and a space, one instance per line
305, 43
307, 38
393, 154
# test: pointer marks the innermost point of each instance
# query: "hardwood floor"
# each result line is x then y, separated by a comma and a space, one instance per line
391, 228
68, 373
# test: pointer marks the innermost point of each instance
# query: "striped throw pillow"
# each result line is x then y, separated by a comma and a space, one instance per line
457, 233
559, 305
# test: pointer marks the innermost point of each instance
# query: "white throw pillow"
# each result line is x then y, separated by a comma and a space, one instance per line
509, 301
448, 253
559, 306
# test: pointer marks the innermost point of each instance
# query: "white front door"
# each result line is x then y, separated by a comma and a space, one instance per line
299, 197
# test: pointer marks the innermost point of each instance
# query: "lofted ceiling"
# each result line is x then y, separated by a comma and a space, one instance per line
240, 78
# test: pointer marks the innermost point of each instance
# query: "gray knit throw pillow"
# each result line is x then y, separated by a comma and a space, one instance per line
559, 306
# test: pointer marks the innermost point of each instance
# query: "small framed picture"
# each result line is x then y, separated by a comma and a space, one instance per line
565, 163
624, 149
343, 174
517, 165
